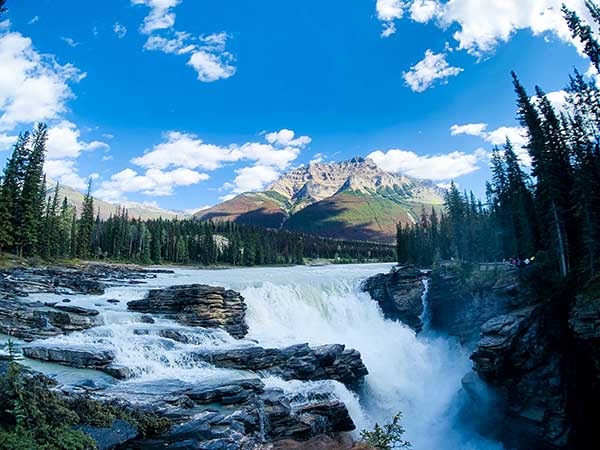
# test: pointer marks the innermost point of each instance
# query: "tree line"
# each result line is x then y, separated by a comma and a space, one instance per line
553, 211
34, 224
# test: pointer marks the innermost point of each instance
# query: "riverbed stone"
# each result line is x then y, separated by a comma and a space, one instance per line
197, 305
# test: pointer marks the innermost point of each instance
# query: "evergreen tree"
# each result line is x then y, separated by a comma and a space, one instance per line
85, 227
31, 204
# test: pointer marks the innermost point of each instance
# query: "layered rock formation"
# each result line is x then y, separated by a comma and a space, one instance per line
197, 305
35, 320
399, 294
298, 362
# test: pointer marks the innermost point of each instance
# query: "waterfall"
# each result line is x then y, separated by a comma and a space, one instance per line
419, 376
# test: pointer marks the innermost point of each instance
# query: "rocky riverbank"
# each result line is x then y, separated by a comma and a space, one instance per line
230, 414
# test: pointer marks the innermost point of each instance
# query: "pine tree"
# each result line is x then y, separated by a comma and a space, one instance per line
85, 227
584, 32
31, 204
10, 193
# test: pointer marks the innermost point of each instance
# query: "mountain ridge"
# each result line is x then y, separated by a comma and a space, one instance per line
351, 199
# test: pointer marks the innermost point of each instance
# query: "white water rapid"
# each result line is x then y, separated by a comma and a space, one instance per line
419, 376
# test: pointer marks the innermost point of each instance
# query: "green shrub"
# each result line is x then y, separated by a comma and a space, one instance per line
388, 437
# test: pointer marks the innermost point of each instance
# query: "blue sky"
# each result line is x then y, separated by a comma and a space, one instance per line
187, 102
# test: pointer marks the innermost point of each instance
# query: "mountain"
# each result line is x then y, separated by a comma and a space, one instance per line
348, 200
105, 209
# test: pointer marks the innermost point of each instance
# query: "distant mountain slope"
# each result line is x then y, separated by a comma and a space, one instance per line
348, 200
105, 209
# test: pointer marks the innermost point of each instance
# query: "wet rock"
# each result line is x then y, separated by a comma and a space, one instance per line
399, 294
117, 371
197, 305
66, 300
234, 392
34, 320
146, 318
175, 335
109, 438
77, 310
85, 358
299, 362
113, 301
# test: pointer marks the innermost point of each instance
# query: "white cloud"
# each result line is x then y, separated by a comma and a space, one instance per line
161, 16
431, 167
176, 45
425, 73
187, 150
64, 142
153, 182
120, 30
212, 66
482, 25
471, 129
497, 137
65, 171
34, 19
423, 10
33, 87
387, 12
253, 178
286, 138
6, 141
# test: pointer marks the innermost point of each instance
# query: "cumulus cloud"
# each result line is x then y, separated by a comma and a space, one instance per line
161, 14
432, 68
182, 154
212, 66
65, 171
208, 56
153, 182
33, 87
516, 135
64, 141
432, 167
188, 150
481, 26
253, 178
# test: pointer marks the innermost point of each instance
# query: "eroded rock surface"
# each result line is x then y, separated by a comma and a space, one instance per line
298, 362
197, 305
399, 294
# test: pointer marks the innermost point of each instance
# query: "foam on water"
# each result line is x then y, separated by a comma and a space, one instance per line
419, 376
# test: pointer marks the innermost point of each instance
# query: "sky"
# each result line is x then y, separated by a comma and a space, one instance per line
185, 103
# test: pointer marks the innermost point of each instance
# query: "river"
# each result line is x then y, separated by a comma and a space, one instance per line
417, 375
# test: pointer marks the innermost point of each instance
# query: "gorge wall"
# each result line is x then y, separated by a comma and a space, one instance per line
536, 358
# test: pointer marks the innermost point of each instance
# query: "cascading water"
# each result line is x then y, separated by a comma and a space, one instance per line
419, 376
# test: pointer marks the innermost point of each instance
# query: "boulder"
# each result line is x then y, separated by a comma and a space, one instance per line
299, 362
399, 294
84, 358
197, 305
111, 437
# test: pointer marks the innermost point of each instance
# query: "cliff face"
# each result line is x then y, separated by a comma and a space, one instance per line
399, 294
538, 357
